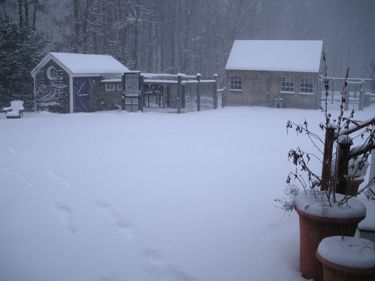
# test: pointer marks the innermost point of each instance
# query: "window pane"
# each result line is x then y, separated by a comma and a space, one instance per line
287, 84
236, 82
306, 85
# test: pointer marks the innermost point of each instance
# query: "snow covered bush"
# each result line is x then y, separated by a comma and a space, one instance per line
337, 163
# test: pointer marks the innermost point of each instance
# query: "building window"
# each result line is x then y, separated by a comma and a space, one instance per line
236, 82
306, 85
109, 87
287, 85
118, 87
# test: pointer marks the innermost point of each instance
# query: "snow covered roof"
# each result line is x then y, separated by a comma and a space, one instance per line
84, 64
276, 55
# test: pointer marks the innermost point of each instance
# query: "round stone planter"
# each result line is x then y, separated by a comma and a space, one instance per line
318, 220
347, 259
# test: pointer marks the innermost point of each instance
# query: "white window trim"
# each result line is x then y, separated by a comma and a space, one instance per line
306, 94
286, 92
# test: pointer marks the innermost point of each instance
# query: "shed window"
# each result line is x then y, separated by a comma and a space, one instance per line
109, 87
287, 85
306, 85
236, 82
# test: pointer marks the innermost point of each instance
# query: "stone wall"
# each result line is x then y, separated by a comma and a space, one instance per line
261, 88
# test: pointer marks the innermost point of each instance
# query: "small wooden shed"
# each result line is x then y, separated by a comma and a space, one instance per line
67, 82
278, 73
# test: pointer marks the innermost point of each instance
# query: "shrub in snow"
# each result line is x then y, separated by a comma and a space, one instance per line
339, 164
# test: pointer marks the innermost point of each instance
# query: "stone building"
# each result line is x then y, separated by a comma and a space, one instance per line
65, 82
277, 73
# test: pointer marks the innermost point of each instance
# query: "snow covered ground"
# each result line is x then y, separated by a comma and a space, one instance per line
116, 196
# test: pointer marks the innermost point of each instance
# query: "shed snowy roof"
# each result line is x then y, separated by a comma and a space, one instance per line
276, 55
85, 64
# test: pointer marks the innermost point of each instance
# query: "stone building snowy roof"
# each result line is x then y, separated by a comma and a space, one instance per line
276, 55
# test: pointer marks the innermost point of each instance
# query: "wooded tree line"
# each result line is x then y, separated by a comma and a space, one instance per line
195, 35
161, 36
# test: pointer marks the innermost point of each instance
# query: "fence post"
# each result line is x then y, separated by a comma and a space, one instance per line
361, 97
327, 156
372, 173
179, 90
224, 97
342, 162
215, 91
198, 92
140, 98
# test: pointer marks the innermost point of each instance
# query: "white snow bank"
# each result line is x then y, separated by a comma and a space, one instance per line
348, 251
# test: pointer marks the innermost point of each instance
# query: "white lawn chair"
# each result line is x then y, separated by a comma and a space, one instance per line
15, 110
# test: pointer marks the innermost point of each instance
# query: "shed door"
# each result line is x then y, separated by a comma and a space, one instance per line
81, 87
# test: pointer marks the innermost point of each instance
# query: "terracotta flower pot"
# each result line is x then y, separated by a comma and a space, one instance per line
319, 220
347, 259
352, 186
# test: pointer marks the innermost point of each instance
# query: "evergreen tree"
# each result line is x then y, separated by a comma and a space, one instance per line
21, 49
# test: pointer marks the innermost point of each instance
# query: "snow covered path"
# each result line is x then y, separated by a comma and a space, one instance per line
117, 196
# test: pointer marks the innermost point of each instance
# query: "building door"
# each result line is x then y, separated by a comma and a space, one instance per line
81, 87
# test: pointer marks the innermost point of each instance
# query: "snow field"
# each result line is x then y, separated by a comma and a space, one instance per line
149, 196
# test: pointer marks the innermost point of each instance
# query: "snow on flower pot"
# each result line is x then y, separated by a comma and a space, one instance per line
347, 259
320, 218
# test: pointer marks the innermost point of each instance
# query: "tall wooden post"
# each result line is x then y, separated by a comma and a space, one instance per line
372, 174
361, 97
342, 162
198, 92
327, 157
215, 91
347, 95
224, 97
140, 99
183, 96
179, 92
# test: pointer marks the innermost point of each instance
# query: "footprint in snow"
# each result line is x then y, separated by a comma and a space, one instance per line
157, 267
13, 152
117, 219
54, 176
19, 176
66, 215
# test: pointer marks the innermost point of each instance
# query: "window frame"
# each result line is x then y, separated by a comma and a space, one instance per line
287, 83
235, 83
109, 87
303, 85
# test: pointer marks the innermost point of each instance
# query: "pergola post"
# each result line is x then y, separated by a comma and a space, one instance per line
361, 97
140, 99
198, 92
215, 91
179, 92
